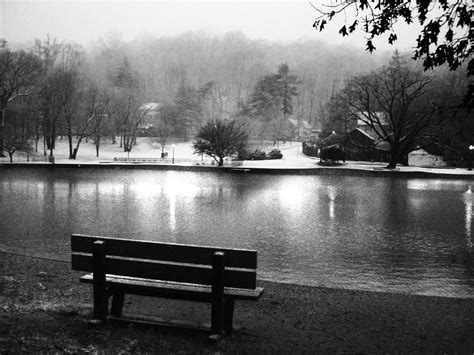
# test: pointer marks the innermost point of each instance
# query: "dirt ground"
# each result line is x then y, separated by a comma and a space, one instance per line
45, 309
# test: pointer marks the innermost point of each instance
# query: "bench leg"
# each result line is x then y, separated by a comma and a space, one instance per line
101, 298
117, 303
217, 317
228, 315
217, 308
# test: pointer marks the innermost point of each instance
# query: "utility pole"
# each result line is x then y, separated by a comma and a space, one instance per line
2, 131
3, 45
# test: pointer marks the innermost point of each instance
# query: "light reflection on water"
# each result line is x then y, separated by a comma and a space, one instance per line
387, 234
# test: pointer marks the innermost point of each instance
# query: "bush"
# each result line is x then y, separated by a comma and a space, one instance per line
332, 154
257, 154
275, 154
310, 149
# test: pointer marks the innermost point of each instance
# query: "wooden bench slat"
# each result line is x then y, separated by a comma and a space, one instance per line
240, 258
196, 274
173, 290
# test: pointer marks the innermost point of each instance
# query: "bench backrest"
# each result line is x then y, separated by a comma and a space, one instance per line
166, 261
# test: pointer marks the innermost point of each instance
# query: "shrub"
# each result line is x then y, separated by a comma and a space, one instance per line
310, 149
257, 154
275, 154
332, 154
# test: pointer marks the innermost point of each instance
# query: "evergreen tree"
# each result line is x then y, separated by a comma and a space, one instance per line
189, 104
271, 100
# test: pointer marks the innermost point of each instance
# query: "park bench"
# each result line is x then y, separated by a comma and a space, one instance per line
187, 272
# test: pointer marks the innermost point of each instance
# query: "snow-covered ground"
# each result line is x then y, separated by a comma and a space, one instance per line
183, 153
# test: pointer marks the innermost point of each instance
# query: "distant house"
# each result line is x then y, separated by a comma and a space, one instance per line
360, 145
301, 128
151, 117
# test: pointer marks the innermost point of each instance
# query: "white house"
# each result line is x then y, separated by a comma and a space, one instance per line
151, 115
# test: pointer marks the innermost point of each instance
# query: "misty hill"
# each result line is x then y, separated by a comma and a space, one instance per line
234, 63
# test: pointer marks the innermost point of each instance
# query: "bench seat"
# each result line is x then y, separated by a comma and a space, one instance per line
175, 290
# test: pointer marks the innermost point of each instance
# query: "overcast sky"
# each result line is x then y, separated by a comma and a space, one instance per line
85, 21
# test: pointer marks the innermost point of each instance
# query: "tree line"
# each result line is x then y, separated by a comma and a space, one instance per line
104, 93
57, 88
407, 108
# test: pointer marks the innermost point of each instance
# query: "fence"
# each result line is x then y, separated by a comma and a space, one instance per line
176, 161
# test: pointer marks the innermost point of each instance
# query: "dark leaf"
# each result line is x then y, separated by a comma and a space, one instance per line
375, 30
449, 35
405, 12
370, 46
323, 23
366, 25
464, 16
422, 9
392, 38
353, 27
343, 31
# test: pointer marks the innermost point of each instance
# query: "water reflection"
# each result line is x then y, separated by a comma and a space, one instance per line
172, 212
367, 233
468, 197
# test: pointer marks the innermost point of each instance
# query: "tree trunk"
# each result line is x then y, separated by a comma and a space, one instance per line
394, 157
2, 130
77, 148
392, 164
69, 136
97, 145
221, 161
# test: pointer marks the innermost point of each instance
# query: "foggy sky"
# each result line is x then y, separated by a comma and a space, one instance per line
85, 21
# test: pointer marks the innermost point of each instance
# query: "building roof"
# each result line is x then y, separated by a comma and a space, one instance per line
361, 139
304, 124
150, 106
363, 115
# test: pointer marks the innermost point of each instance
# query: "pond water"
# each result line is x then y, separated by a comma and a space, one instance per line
372, 233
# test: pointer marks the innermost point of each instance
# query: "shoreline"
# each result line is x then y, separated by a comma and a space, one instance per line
252, 169
45, 308
147, 155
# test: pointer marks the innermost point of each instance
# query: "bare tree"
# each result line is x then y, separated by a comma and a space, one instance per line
392, 102
18, 128
18, 73
69, 88
126, 104
219, 139
49, 89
